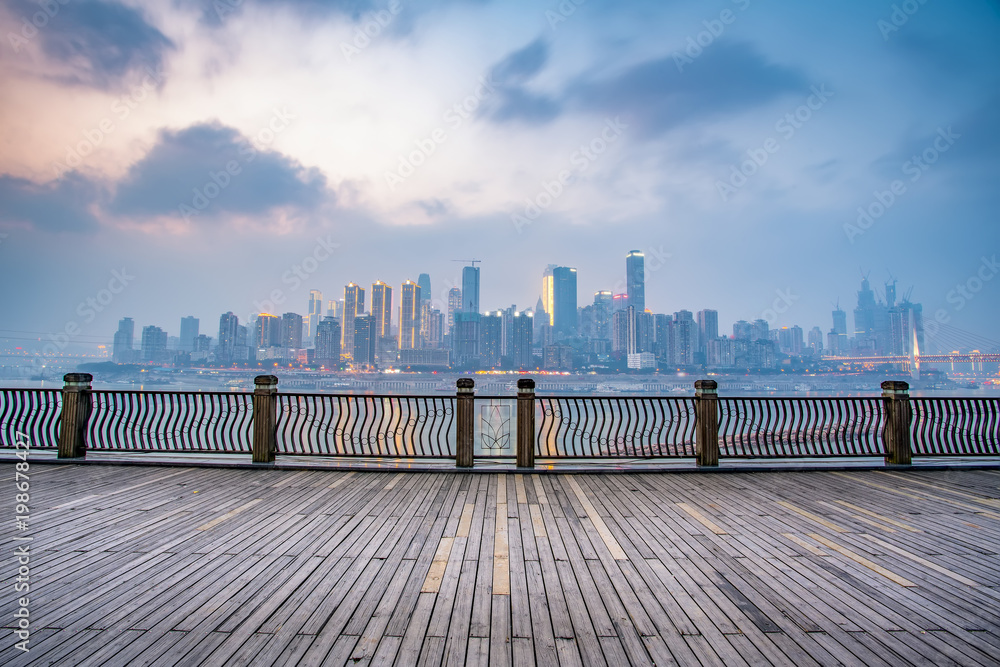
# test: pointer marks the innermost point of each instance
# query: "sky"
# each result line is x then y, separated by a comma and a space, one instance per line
178, 158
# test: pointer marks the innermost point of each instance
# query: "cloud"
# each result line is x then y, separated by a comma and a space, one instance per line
213, 169
656, 94
62, 205
98, 43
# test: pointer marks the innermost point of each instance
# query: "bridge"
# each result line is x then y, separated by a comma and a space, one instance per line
954, 358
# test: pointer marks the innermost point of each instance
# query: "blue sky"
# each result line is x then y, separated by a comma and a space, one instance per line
211, 148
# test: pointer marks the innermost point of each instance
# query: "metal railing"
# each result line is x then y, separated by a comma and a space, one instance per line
955, 426
465, 426
30, 413
800, 427
158, 421
338, 425
603, 426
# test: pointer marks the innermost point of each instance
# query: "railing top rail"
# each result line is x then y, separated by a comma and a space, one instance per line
34, 390
172, 393
954, 398
365, 395
584, 397
724, 397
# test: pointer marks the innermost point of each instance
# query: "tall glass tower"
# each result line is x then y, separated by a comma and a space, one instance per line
409, 316
635, 280
564, 300
382, 309
470, 289
354, 305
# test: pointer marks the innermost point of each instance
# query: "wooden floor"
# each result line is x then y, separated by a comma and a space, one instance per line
163, 566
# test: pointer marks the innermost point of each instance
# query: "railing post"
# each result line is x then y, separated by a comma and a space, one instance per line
898, 418
706, 401
77, 404
525, 423
265, 418
465, 422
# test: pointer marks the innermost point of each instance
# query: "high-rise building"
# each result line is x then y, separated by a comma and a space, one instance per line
839, 321
382, 309
645, 332
226, 346
564, 300
189, 333
548, 293
122, 351
291, 331
491, 337
354, 305
816, 339
522, 341
602, 314
328, 342
364, 341
154, 344
685, 339
790, 340
470, 289
759, 330
454, 305
620, 339
619, 302
434, 338
635, 279
335, 308
424, 281
314, 315
663, 347
743, 330
708, 325
507, 334
466, 338
267, 331
409, 316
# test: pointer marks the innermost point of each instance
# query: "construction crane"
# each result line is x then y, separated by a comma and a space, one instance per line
470, 261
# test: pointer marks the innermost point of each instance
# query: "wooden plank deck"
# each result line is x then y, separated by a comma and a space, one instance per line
163, 566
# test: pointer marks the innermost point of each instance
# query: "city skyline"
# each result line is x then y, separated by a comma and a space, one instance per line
167, 160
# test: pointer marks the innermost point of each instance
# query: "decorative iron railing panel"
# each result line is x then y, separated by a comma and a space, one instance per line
360, 425
611, 426
800, 427
159, 421
30, 415
956, 426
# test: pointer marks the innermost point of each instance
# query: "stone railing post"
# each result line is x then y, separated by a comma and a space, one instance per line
77, 404
465, 422
525, 423
265, 418
898, 419
706, 401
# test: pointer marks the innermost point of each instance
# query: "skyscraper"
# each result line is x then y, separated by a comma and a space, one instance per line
686, 338
267, 331
122, 351
409, 316
228, 329
548, 293
154, 344
291, 331
470, 289
522, 340
328, 342
354, 305
635, 279
382, 309
602, 314
424, 281
364, 341
189, 333
315, 313
466, 338
454, 305
564, 300
491, 335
